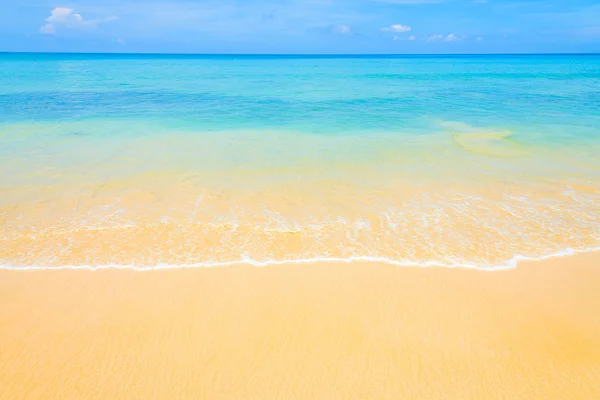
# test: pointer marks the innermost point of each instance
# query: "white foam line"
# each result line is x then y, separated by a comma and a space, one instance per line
511, 264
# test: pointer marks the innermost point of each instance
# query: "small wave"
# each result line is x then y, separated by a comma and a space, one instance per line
510, 264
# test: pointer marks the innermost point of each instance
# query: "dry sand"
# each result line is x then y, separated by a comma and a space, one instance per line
327, 331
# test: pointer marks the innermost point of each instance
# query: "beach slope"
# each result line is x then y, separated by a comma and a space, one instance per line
323, 330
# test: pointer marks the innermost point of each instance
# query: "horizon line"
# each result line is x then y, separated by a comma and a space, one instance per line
300, 54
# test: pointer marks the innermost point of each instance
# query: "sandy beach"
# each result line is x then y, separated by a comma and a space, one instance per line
326, 330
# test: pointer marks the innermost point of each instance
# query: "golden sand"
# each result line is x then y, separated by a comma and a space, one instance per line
327, 330
147, 224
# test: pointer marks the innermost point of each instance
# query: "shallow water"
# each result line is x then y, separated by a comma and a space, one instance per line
198, 160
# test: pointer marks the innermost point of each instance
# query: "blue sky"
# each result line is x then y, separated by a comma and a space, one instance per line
301, 26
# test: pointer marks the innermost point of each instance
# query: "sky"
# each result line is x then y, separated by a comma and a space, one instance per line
301, 26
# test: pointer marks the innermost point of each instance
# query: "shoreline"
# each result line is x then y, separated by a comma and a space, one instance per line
510, 264
322, 330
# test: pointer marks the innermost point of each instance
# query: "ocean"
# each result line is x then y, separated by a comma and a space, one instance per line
165, 161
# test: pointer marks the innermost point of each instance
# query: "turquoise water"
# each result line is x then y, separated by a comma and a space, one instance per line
544, 97
407, 136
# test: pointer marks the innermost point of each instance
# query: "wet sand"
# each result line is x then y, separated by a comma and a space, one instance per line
323, 330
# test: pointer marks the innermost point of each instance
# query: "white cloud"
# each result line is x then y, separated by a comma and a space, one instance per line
67, 18
47, 29
342, 29
451, 37
396, 37
411, 38
398, 28
479, 38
